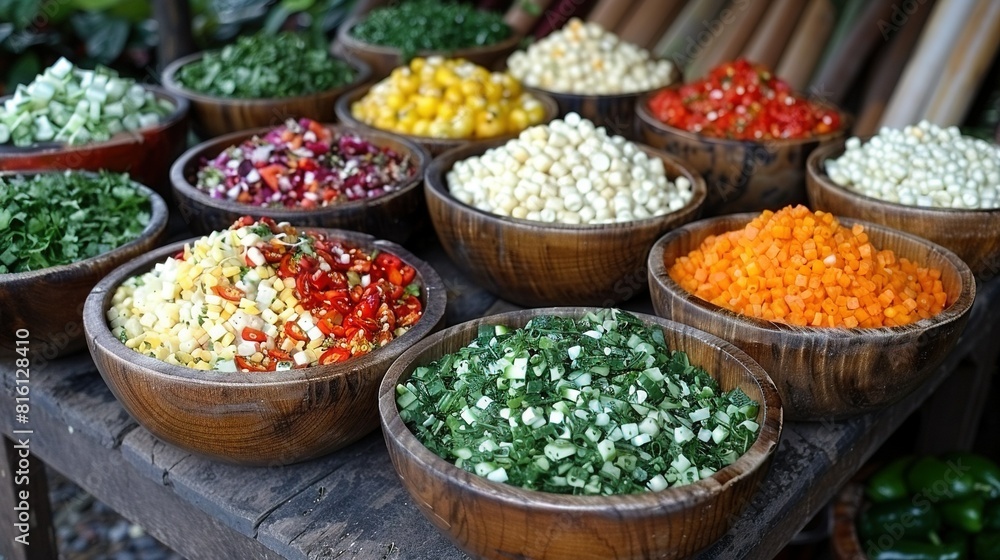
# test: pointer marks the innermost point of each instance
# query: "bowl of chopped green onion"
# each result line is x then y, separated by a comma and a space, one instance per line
587, 433
73, 118
390, 36
262, 80
60, 233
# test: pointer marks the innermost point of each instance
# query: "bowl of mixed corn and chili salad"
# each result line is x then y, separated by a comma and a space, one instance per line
591, 433
307, 173
73, 118
393, 35
927, 180
745, 131
260, 344
846, 316
60, 233
443, 103
262, 80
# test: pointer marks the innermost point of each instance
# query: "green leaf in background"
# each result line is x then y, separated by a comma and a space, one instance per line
105, 35
24, 69
297, 5
19, 12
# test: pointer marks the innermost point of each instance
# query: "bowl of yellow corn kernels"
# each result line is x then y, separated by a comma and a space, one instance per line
260, 344
443, 103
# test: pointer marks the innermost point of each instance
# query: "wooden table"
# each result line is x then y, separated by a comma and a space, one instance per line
350, 503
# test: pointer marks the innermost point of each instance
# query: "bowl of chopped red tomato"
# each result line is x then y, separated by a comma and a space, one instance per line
745, 131
261, 344
306, 173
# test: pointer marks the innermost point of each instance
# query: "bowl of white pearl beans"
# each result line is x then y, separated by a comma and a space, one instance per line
564, 214
923, 179
590, 71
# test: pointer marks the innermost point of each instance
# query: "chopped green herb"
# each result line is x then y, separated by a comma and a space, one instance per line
52, 219
266, 66
598, 405
413, 289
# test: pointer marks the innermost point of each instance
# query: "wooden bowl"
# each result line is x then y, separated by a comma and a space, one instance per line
534, 263
215, 116
825, 373
974, 235
742, 176
48, 303
273, 418
494, 520
434, 146
383, 59
844, 542
393, 216
146, 154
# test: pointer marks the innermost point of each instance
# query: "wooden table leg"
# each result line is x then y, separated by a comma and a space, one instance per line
25, 514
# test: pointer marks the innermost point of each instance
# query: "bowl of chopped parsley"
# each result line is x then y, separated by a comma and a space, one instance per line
60, 233
390, 36
589, 433
262, 80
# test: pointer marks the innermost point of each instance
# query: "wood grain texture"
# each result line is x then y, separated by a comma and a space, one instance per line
973, 235
394, 216
773, 32
825, 373
146, 154
535, 263
274, 418
26, 516
844, 541
805, 46
173, 20
49, 302
435, 146
214, 116
741, 176
673, 523
382, 60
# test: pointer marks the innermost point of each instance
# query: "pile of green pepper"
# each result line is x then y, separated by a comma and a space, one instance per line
933, 508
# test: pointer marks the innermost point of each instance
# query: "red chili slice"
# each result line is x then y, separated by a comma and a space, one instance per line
245, 364
293, 330
288, 267
279, 355
334, 355
229, 293
253, 335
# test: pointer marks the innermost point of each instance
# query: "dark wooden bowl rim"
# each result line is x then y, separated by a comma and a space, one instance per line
647, 118
180, 103
443, 164
951, 313
157, 222
97, 304
347, 38
361, 69
667, 500
814, 167
180, 180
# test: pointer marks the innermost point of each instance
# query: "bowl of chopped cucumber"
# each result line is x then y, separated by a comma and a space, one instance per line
261, 344
262, 80
60, 233
590, 433
71, 118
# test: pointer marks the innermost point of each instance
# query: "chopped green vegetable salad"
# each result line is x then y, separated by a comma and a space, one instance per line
265, 66
76, 106
58, 218
431, 25
598, 405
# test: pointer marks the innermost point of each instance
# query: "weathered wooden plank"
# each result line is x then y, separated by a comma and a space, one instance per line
150, 456
24, 492
358, 511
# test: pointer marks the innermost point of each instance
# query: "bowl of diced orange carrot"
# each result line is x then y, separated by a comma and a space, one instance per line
846, 316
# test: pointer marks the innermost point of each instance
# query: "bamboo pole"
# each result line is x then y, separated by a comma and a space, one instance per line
644, 24
807, 43
737, 28
520, 20
609, 13
690, 31
773, 32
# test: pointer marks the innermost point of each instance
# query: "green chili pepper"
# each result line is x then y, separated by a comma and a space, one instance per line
938, 480
987, 546
889, 483
912, 550
964, 513
984, 472
991, 516
899, 519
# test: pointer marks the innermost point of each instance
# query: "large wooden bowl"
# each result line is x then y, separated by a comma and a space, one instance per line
494, 520
215, 116
48, 303
435, 146
535, 263
383, 59
271, 418
844, 542
974, 235
742, 176
393, 216
146, 154
825, 373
